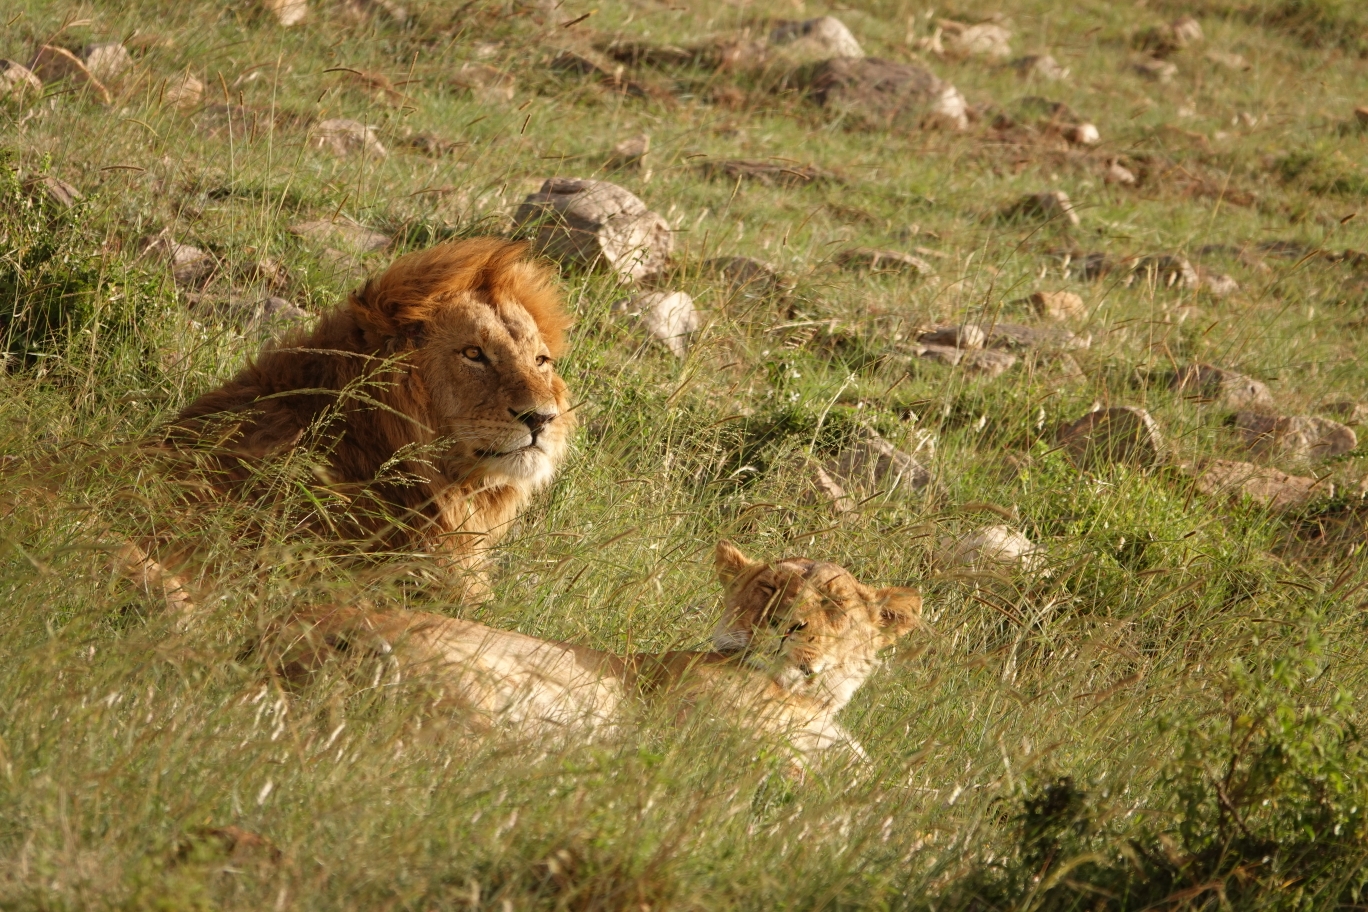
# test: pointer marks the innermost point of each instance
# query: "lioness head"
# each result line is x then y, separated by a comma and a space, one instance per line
480, 326
815, 627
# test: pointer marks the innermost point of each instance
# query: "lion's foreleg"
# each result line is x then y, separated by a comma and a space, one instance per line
158, 583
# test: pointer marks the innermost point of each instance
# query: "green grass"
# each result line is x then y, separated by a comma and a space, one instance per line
1171, 715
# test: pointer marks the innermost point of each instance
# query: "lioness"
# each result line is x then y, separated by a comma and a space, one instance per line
429, 403
796, 640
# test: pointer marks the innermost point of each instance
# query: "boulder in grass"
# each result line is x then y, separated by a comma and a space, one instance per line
344, 137
1348, 411
1224, 387
287, 12
883, 92
814, 40
56, 190
874, 463
667, 316
987, 362
966, 335
769, 173
987, 39
595, 224
1167, 271
1216, 284
343, 233
52, 64
872, 259
1040, 66
191, 267
1046, 206
18, 82
107, 61
1122, 434
486, 83
992, 546
1300, 438
1266, 486
1154, 69
747, 275
185, 90
1058, 305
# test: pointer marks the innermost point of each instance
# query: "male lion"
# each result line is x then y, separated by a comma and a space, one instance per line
429, 405
796, 640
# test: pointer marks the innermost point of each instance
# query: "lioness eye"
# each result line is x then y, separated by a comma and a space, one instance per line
543, 360
473, 353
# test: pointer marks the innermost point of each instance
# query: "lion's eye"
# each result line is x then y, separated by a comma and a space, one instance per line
473, 353
543, 360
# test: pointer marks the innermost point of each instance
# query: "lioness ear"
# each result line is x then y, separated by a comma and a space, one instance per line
899, 609
730, 562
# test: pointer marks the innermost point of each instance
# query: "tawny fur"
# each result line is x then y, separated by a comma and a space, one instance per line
429, 404
798, 639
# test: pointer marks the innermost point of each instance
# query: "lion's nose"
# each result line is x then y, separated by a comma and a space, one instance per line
535, 419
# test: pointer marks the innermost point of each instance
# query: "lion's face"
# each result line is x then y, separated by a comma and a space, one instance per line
811, 624
495, 394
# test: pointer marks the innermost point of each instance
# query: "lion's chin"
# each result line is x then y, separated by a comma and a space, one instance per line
529, 467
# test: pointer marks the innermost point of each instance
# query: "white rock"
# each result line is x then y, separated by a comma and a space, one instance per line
596, 224
1302, 438
345, 137
1083, 134
287, 12
1118, 173
183, 91
1000, 545
814, 40
669, 317
1224, 387
107, 61
1058, 305
17, 81
987, 39
1041, 66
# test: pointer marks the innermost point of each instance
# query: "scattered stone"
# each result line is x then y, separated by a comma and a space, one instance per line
1167, 270
1223, 387
107, 61
1187, 30
344, 137
341, 232
567, 61
993, 545
1016, 337
1228, 60
873, 462
870, 259
1047, 206
668, 316
431, 145
488, 84
987, 39
58, 191
747, 275
1118, 173
595, 223
1216, 284
183, 91
1163, 40
264, 271
645, 53
18, 82
1093, 266
287, 12
882, 91
815, 40
1348, 412
990, 362
1082, 134
1298, 437
377, 86
829, 489
967, 335
1155, 69
630, 152
1040, 66
52, 64
1269, 487
769, 173
273, 312
1058, 305
190, 266
1121, 434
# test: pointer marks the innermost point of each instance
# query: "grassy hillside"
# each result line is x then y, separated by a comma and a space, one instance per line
1164, 707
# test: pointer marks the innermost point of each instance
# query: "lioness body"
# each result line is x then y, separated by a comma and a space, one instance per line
506, 679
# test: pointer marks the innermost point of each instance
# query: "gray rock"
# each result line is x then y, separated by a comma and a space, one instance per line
344, 137
1016, 337
1122, 434
870, 259
1155, 69
1224, 387
1302, 438
596, 224
1040, 66
747, 275
1269, 487
18, 82
344, 233
881, 92
968, 335
1047, 206
875, 463
1167, 270
190, 266
991, 546
668, 316
107, 61
1348, 412
814, 40
58, 191
989, 362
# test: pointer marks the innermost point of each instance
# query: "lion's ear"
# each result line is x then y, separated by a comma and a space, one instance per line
730, 562
379, 309
900, 609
